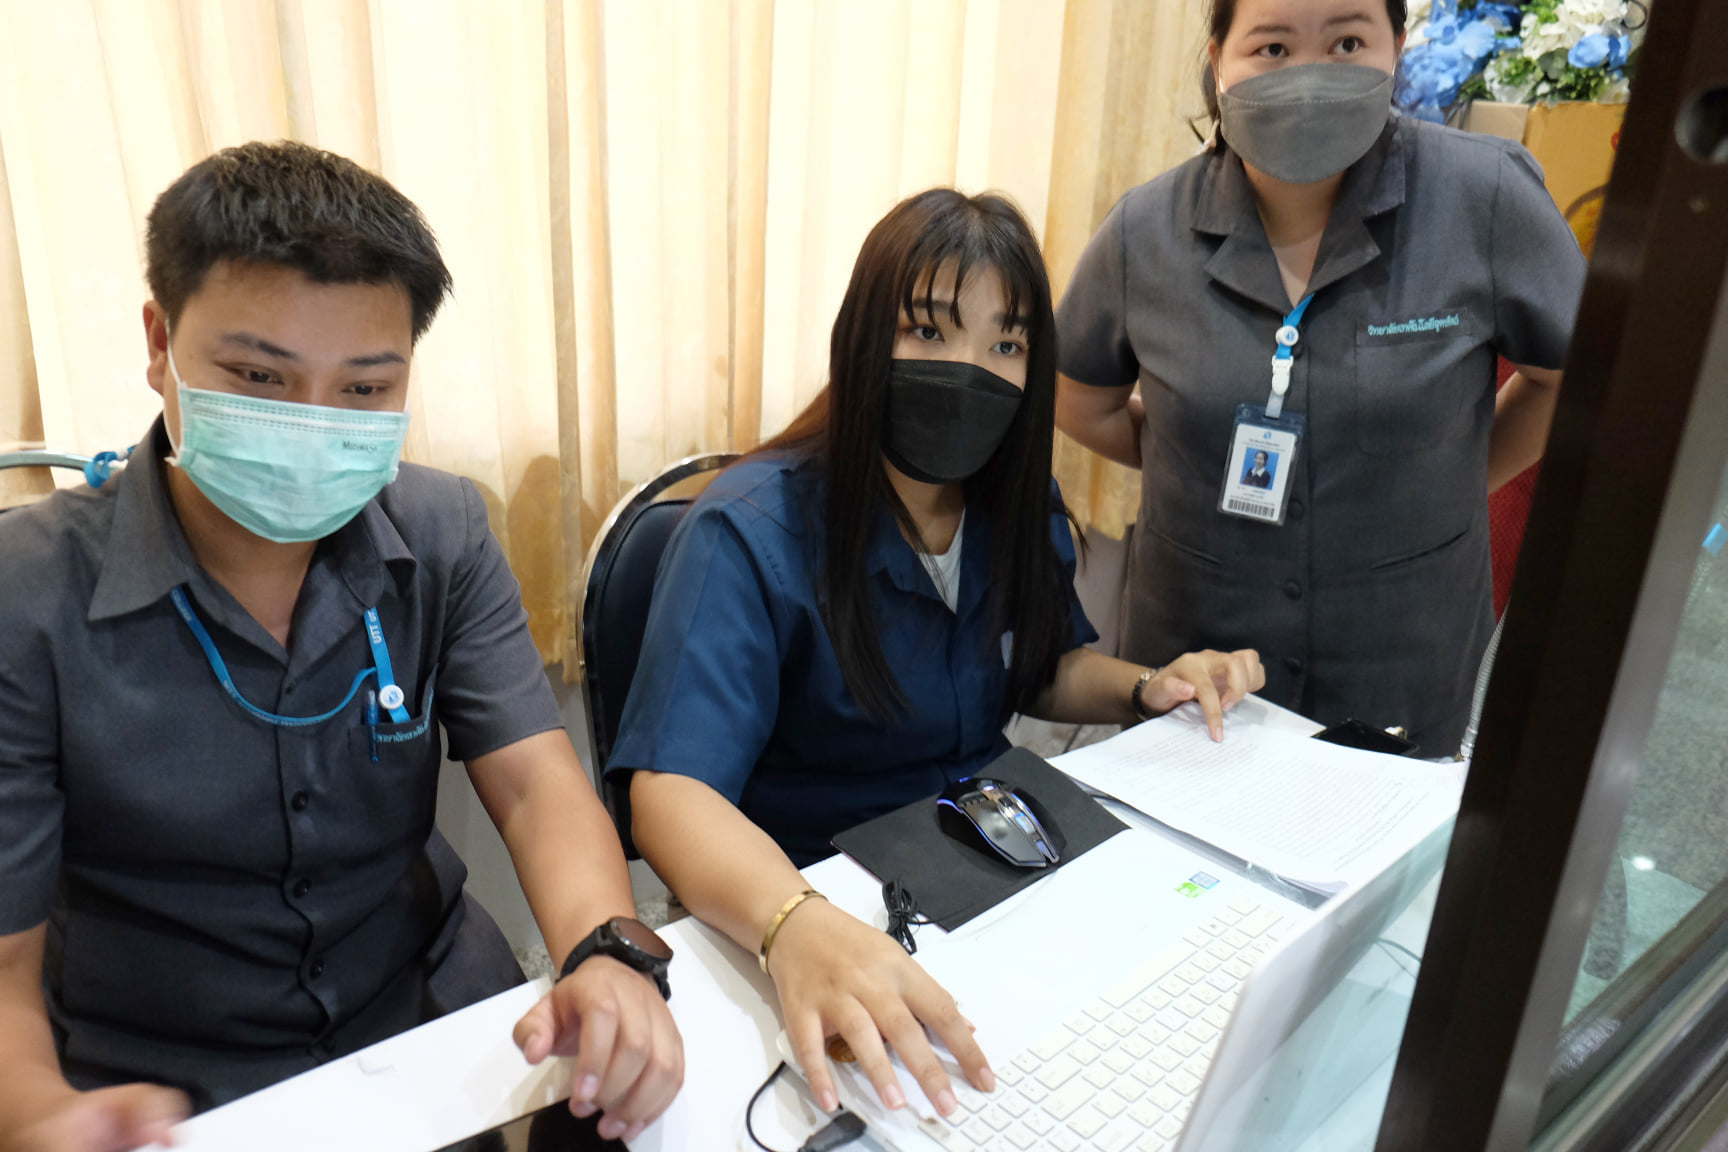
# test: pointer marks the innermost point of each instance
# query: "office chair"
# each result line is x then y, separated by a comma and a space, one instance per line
617, 586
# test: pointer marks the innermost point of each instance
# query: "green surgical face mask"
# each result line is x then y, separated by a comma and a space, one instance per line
287, 472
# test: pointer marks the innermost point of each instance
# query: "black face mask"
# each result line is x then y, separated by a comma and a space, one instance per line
945, 418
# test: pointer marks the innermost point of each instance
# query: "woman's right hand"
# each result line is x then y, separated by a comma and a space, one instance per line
838, 975
104, 1120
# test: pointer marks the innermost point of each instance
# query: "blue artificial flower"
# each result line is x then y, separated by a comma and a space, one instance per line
1431, 74
1618, 48
1507, 16
1589, 52
1429, 78
1476, 41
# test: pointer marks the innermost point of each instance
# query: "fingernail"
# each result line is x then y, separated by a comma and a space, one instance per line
989, 1079
635, 1131
829, 1101
582, 1109
610, 1129
588, 1089
528, 1044
894, 1098
945, 1102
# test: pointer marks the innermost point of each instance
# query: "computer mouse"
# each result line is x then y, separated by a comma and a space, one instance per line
1001, 821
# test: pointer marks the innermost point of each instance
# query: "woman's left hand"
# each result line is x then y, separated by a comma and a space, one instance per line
1216, 681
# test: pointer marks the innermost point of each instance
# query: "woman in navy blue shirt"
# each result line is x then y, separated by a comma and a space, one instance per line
846, 619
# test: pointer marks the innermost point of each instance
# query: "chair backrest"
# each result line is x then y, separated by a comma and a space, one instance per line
36, 458
618, 586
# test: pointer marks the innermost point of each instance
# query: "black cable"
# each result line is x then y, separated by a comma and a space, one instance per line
1401, 948
837, 1133
903, 914
754, 1100
1392, 947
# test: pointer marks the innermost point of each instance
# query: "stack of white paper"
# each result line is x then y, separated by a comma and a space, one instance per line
1308, 810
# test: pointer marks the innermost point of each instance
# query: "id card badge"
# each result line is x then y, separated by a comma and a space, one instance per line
1261, 461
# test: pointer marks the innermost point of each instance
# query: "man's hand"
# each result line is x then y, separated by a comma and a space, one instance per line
106, 1120
1217, 680
629, 1056
837, 974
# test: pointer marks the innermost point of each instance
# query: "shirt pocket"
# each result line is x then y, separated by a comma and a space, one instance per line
400, 746
1417, 380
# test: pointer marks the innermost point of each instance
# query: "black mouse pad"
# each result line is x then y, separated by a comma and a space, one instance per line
953, 882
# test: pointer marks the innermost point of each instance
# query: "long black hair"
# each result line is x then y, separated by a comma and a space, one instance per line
841, 429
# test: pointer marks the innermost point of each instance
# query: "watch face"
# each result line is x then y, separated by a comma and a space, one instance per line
642, 937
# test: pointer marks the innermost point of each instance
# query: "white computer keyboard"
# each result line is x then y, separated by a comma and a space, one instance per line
1122, 1074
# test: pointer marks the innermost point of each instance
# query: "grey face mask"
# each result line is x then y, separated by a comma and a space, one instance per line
1305, 123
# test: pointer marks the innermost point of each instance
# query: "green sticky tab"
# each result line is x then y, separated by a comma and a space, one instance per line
1189, 889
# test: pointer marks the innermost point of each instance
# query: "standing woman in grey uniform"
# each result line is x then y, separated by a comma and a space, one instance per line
1328, 283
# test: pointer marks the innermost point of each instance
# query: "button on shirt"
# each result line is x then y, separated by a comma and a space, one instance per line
738, 685
218, 887
1373, 599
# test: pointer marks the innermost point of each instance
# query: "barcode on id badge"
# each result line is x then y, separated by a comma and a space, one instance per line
1252, 508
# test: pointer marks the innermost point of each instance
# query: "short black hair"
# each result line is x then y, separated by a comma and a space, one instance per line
297, 206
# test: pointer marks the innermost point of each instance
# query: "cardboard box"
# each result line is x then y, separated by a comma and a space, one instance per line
1574, 142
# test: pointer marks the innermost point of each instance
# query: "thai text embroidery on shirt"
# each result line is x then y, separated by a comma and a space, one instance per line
1430, 324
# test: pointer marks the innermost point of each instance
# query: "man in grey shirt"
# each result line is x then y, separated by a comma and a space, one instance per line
223, 678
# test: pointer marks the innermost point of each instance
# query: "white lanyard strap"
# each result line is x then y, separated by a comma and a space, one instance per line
1286, 339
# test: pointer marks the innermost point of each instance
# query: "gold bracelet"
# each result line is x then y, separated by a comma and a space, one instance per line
779, 919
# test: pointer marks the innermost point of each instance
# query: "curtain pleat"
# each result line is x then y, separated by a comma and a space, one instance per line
747, 209
78, 245
20, 404
651, 209
1128, 94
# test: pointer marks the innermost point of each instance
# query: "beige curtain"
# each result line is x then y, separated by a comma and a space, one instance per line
1129, 102
650, 207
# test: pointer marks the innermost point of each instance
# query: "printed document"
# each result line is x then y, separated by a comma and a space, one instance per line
1310, 811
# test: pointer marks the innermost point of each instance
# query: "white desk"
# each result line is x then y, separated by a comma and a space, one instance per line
449, 1079
729, 1015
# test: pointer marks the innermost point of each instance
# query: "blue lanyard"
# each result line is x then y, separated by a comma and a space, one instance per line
101, 466
389, 695
1286, 339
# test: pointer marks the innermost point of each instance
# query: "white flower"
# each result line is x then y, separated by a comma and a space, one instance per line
1573, 20
1590, 13
1416, 24
1618, 92
1500, 89
1541, 39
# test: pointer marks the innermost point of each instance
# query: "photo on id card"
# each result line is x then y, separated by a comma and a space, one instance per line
1262, 459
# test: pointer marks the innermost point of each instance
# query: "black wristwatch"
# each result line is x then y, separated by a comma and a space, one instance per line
631, 943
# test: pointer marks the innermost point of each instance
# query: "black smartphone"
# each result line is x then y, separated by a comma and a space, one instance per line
1356, 734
